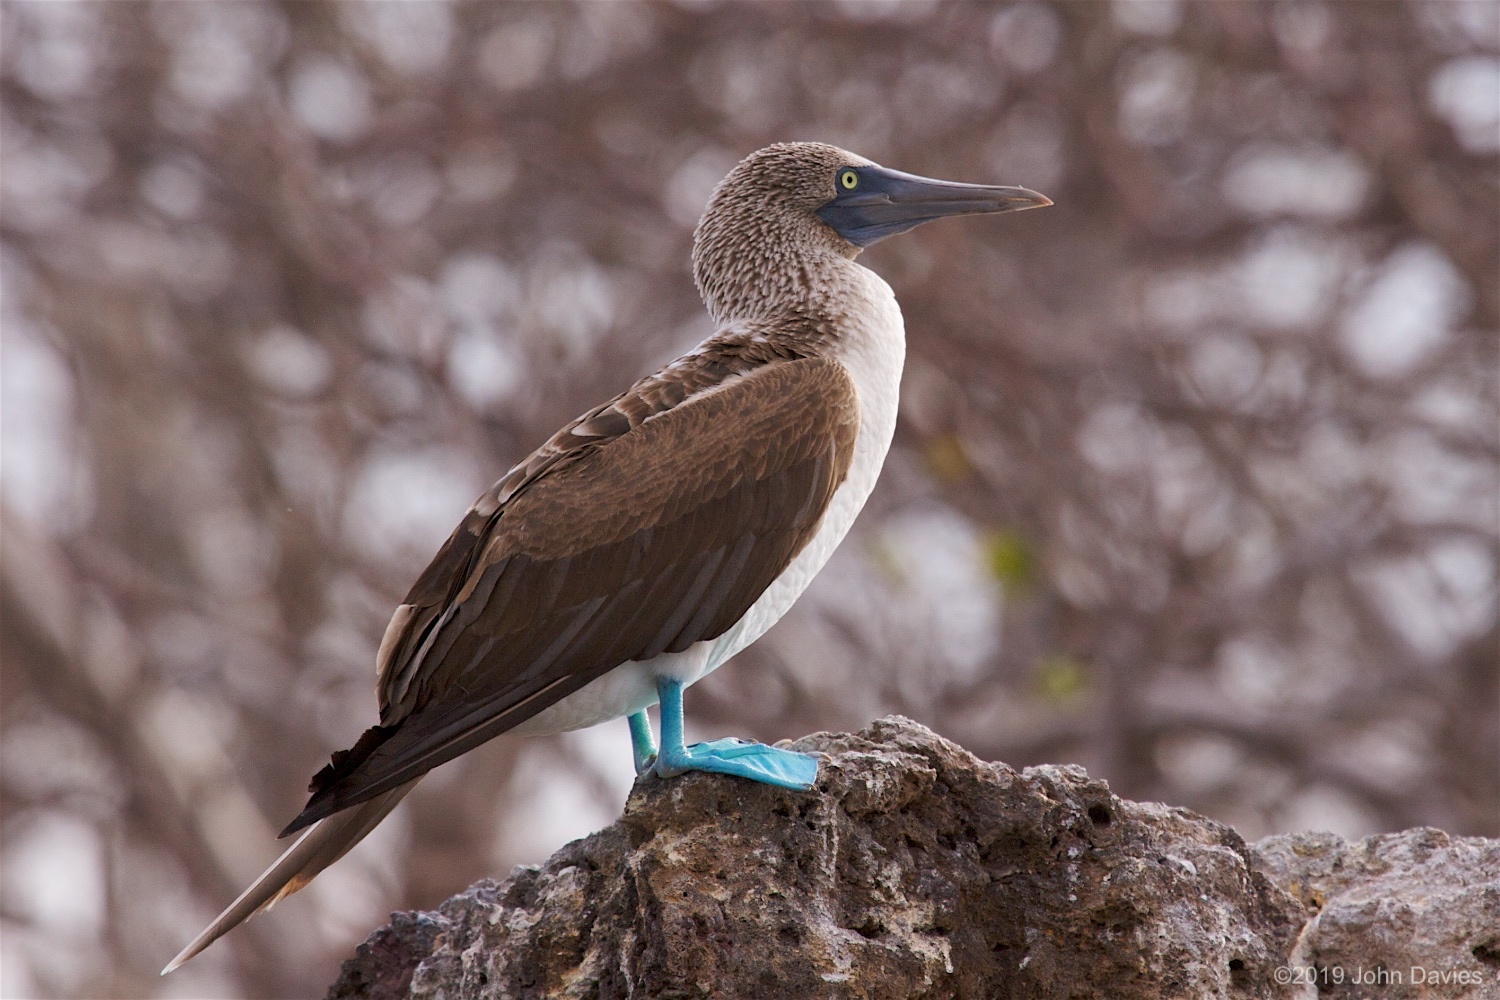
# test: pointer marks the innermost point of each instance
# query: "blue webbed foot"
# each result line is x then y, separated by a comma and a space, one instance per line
756, 761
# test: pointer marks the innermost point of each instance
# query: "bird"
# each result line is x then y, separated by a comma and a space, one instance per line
661, 532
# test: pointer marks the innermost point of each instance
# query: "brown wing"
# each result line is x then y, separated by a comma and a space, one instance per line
648, 542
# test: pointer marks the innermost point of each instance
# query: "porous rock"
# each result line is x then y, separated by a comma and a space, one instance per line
916, 870
1403, 915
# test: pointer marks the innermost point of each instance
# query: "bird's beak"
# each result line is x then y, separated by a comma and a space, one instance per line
888, 202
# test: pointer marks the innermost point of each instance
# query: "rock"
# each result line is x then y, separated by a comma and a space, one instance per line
382, 967
917, 870
1411, 914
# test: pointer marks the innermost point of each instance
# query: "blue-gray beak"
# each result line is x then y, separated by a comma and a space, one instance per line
883, 202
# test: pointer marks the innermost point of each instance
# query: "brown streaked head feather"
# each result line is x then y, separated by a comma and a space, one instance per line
757, 249
649, 524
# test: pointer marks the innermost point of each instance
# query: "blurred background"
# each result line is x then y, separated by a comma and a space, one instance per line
1195, 482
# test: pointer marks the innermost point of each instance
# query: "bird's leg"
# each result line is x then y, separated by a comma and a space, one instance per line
642, 743
756, 761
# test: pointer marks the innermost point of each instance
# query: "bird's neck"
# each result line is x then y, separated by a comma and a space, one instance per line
774, 281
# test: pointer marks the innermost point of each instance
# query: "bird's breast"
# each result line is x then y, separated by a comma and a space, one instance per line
872, 348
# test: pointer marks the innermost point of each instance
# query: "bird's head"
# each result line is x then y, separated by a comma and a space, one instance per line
784, 206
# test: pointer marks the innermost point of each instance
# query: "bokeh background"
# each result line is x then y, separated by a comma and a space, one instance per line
1195, 482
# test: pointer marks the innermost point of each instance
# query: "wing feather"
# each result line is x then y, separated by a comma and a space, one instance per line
631, 545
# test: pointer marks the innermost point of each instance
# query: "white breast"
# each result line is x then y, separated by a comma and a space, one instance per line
873, 349
873, 353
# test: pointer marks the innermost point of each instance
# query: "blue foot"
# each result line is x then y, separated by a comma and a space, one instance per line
756, 761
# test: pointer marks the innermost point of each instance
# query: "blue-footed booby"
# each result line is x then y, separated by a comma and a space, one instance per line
660, 533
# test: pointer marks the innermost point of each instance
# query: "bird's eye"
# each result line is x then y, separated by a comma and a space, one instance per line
848, 180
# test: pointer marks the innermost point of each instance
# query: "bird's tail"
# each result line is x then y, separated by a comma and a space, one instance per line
323, 844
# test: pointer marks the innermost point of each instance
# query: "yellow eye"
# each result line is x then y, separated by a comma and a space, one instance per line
848, 180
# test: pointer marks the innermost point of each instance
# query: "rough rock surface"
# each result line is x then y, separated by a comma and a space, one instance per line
917, 870
1410, 914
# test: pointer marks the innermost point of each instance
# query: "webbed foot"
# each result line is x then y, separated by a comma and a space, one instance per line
756, 761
